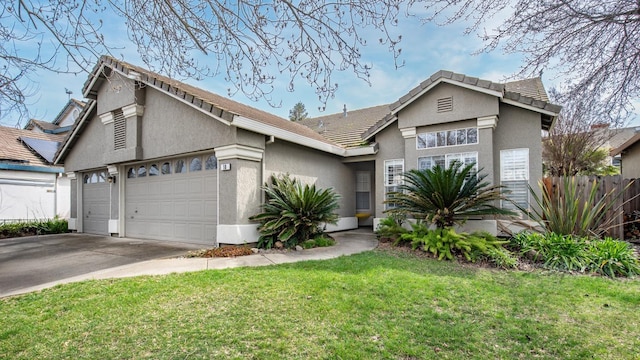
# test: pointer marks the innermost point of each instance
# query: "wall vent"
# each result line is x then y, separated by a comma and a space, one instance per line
445, 104
119, 130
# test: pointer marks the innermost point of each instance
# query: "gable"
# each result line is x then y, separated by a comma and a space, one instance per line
446, 103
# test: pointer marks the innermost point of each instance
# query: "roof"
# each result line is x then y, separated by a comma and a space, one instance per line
532, 98
624, 146
14, 150
347, 130
43, 125
209, 102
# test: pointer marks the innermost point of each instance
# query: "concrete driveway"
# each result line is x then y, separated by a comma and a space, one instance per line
36, 260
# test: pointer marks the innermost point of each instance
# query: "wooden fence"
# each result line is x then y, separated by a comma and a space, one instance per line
626, 204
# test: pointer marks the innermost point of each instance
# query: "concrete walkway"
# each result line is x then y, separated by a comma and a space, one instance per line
347, 243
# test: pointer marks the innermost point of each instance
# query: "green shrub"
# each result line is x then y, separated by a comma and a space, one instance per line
613, 258
500, 257
391, 227
293, 212
577, 212
447, 243
36, 227
554, 251
446, 196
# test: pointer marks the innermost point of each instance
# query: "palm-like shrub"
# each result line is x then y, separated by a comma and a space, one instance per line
446, 196
293, 212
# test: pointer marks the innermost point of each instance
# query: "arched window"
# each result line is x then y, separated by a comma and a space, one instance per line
102, 177
131, 173
94, 178
180, 168
142, 171
211, 163
153, 170
166, 168
196, 164
86, 179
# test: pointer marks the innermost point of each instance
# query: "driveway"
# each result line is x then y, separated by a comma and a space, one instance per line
35, 260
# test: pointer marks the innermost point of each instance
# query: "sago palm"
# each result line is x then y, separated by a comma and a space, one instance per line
293, 212
446, 196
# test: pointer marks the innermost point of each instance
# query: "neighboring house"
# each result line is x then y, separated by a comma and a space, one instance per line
31, 187
62, 123
151, 157
629, 155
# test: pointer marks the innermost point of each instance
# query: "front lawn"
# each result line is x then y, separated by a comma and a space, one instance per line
375, 305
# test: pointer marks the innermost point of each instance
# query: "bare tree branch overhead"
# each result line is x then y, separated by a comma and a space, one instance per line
250, 43
593, 45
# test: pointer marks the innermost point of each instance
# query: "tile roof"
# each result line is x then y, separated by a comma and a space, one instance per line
43, 125
14, 150
347, 131
532, 88
203, 99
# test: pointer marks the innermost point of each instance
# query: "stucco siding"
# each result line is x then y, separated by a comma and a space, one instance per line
313, 167
392, 146
519, 129
170, 127
631, 162
87, 152
117, 91
467, 104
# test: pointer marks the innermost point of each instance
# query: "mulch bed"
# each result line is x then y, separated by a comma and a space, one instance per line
226, 251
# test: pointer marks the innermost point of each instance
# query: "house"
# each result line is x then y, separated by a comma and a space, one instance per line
629, 155
152, 157
62, 123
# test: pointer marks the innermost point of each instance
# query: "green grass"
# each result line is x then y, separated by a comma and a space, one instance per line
375, 305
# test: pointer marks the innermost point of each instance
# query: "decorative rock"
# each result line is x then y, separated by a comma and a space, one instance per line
298, 248
255, 250
278, 245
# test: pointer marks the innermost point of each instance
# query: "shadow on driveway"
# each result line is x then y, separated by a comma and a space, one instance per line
35, 260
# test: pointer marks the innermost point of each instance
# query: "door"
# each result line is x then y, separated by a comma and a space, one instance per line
95, 202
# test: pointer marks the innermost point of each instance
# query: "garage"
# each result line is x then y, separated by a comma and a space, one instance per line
95, 202
173, 199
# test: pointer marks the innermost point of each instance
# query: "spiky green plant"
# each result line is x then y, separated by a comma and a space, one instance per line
293, 212
574, 211
613, 258
446, 196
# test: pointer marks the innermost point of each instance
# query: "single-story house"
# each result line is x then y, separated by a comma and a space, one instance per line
629, 153
152, 157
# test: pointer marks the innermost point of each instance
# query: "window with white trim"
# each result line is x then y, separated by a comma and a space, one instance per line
514, 175
363, 190
393, 170
444, 138
429, 162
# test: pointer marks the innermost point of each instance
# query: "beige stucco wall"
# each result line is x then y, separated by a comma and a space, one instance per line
631, 162
313, 167
87, 152
467, 104
117, 91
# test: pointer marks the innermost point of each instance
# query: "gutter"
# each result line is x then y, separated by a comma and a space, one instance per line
33, 168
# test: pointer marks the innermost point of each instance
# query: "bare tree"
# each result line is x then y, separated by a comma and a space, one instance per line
593, 45
249, 42
576, 144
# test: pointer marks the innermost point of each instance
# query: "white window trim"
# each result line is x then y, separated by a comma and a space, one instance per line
417, 136
526, 172
386, 176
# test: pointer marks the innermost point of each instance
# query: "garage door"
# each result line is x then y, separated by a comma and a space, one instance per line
173, 200
95, 202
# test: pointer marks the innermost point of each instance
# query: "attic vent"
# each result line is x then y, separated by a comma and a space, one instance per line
445, 104
119, 130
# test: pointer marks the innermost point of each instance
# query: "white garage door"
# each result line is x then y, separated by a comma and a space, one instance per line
95, 202
173, 200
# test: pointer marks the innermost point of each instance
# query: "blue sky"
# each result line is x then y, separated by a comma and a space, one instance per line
425, 50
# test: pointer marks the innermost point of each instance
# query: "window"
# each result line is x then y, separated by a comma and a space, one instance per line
180, 168
102, 177
429, 162
452, 137
142, 171
393, 170
514, 175
363, 190
153, 170
131, 173
86, 179
166, 168
195, 165
464, 158
94, 178
211, 163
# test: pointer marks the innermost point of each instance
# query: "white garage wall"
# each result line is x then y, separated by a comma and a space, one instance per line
27, 195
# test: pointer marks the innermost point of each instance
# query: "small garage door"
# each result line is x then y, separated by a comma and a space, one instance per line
173, 200
95, 202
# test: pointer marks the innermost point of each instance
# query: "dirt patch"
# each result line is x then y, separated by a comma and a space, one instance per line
227, 251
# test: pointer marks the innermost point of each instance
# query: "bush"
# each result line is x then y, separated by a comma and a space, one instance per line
613, 258
391, 227
321, 240
293, 212
446, 243
36, 227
